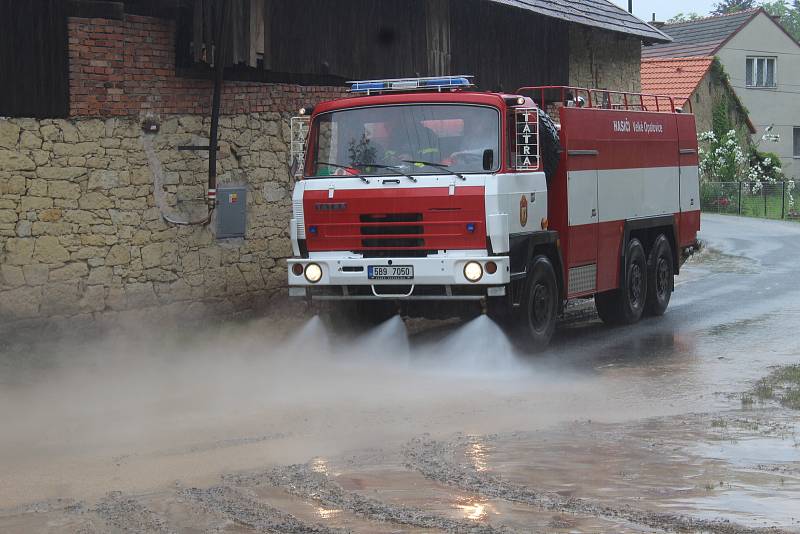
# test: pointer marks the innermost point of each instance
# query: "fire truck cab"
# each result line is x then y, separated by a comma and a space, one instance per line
424, 193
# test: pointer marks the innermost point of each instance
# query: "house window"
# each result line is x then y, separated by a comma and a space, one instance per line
797, 141
761, 71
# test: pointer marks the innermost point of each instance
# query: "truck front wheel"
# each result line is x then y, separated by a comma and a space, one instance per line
539, 306
626, 305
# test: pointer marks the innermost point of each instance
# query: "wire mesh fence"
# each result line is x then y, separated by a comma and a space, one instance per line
751, 199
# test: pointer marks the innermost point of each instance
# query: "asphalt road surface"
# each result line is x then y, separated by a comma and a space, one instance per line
279, 424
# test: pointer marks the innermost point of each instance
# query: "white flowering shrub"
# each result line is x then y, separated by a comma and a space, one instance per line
723, 160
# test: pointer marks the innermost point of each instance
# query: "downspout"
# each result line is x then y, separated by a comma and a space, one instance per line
155, 165
220, 50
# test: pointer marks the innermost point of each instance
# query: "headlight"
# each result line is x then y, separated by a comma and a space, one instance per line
313, 273
473, 271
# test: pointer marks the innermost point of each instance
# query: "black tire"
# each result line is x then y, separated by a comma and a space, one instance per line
536, 317
660, 277
626, 305
607, 306
550, 145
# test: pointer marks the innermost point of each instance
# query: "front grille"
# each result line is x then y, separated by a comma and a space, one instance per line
387, 231
394, 242
390, 217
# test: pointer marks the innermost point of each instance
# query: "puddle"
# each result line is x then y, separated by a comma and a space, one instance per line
397, 486
684, 465
747, 506
749, 452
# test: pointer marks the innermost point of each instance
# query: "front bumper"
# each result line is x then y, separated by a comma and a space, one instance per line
446, 272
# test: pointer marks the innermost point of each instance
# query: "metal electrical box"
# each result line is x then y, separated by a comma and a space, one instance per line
231, 211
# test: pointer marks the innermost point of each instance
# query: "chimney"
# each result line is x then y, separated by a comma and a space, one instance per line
657, 23
630, 6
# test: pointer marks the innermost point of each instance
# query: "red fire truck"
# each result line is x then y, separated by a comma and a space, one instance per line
417, 194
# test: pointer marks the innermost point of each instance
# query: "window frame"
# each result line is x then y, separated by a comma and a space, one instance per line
796, 142
314, 134
751, 72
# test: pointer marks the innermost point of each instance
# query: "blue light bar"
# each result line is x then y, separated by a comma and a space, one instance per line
439, 83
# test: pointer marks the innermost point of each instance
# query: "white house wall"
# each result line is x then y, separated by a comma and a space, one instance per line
779, 106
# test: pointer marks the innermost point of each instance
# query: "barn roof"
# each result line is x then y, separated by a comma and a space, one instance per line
676, 77
595, 13
679, 77
702, 37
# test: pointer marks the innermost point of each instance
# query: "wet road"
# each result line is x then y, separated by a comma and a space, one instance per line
423, 428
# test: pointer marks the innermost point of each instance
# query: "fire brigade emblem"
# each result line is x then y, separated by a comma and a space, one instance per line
523, 210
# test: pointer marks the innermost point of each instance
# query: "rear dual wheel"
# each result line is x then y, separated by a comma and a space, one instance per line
626, 304
660, 277
648, 284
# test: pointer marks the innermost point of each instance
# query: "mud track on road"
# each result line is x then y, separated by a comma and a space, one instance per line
243, 509
303, 481
437, 460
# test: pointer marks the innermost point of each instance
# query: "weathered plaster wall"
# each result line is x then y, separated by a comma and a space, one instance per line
604, 60
710, 93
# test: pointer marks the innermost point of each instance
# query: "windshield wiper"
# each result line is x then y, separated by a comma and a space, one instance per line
346, 168
445, 168
392, 168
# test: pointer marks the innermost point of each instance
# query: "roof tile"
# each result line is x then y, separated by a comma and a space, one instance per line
675, 77
596, 13
701, 37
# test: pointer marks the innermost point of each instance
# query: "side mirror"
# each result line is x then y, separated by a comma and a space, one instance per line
488, 159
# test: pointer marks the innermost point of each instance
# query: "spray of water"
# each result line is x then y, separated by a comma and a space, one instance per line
312, 336
476, 348
133, 393
387, 343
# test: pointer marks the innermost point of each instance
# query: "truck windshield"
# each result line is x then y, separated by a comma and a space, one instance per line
379, 140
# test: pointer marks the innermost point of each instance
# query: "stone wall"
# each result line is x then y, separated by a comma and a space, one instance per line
81, 226
604, 60
81, 232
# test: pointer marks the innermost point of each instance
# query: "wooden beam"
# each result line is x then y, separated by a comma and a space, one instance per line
92, 9
268, 34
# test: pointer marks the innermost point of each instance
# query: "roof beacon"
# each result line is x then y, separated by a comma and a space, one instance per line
439, 83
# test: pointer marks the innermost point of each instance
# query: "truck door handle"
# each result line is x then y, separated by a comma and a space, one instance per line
594, 213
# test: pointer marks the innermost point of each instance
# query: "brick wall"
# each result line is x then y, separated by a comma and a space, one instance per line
127, 68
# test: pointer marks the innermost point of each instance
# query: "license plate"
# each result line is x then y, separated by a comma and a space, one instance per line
390, 272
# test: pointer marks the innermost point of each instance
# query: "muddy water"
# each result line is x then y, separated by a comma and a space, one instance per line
282, 425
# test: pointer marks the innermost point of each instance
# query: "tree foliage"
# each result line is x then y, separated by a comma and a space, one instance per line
789, 14
788, 11
726, 7
684, 17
